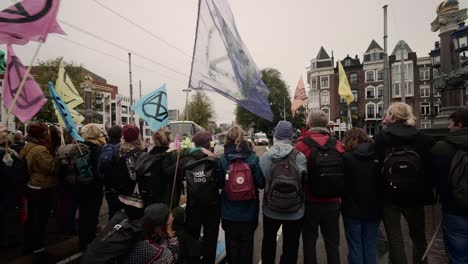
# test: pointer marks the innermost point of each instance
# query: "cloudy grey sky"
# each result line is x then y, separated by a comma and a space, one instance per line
278, 33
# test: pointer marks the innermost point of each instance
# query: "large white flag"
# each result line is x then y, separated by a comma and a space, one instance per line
222, 62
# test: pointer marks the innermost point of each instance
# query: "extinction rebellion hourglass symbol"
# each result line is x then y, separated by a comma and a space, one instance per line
153, 107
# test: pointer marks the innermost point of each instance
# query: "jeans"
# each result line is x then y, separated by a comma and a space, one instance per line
362, 241
291, 236
456, 238
325, 215
89, 198
239, 241
415, 218
208, 218
39, 206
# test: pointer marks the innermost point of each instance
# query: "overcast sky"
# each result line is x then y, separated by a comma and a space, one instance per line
278, 33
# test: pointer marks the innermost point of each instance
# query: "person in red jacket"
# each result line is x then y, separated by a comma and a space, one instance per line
319, 212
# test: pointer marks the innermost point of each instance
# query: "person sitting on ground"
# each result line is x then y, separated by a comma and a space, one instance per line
159, 244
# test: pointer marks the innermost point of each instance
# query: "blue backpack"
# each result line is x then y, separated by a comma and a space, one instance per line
106, 164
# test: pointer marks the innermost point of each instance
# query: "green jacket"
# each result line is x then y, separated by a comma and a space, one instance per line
42, 166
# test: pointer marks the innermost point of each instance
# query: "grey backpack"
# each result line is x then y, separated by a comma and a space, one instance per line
284, 187
458, 178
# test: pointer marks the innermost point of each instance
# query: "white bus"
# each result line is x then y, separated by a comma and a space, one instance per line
184, 127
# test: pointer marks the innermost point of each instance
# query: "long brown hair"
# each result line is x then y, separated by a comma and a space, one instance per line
236, 135
356, 136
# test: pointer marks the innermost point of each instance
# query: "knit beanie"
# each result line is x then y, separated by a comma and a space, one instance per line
283, 130
130, 133
36, 130
156, 214
202, 139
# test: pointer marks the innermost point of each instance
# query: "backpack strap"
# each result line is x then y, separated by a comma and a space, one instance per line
313, 144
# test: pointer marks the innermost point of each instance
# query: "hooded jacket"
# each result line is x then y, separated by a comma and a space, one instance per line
240, 210
363, 184
321, 136
280, 150
42, 166
443, 153
400, 134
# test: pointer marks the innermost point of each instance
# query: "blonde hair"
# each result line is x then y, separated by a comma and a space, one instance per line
402, 112
236, 135
160, 138
91, 131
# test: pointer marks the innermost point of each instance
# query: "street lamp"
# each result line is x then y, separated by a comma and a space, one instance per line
460, 38
435, 55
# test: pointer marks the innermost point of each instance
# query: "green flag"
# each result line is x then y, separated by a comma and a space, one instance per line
2, 62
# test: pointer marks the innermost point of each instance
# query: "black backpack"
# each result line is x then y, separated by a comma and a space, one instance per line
202, 182
115, 240
325, 169
153, 177
284, 189
458, 178
402, 172
125, 169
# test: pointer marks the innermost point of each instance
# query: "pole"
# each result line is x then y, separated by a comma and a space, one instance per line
187, 91
350, 121
131, 86
284, 109
141, 120
139, 84
386, 91
402, 72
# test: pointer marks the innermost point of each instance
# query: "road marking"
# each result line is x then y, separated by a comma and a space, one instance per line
278, 235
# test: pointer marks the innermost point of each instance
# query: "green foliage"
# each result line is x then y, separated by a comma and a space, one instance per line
200, 109
279, 101
48, 71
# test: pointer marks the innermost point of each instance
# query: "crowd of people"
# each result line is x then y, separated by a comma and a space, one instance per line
308, 185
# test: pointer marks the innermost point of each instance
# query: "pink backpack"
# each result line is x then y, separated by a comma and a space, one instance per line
239, 185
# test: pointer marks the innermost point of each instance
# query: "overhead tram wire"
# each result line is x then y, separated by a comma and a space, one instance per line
143, 29
117, 58
122, 47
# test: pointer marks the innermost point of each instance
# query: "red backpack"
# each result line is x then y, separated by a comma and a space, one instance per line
239, 185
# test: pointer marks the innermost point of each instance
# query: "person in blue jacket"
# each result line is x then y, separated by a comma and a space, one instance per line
239, 218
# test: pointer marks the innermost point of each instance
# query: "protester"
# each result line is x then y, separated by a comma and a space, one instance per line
125, 169
18, 141
455, 210
41, 187
105, 166
55, 137
203, 205
361, 202
322, 205
239, 170
284, 169
405, 154
159, 245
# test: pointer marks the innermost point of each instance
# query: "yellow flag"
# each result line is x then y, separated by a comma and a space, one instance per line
344, 90
69, 94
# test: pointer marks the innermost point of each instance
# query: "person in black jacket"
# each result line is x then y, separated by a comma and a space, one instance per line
361, 203
400, 136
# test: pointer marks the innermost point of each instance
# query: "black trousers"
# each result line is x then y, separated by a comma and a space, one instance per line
113, 203
291, 235
39, 205
239, 240
89, 197
325, 215
207, 218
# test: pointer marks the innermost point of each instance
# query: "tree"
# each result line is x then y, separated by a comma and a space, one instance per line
280, 103
48, 71
200, 109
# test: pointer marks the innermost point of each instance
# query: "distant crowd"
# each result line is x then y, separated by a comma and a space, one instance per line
166, 204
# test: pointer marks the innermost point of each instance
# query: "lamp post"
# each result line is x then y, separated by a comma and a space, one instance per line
187, 91
450, 79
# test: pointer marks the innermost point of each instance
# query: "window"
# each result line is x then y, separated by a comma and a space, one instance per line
313, 83
425, 108
325, 96
380, 75
370, 92
375, 56
379, 110
324, 82
425, 90
409, 89
355, 93
398, 54
436, 109
396, 90
380, 91
425, 123
370, 76
424, 73
436, 93
124, 110
353, 78
370, 110
347, 63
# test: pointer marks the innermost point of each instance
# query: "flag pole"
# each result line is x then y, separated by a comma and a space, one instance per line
350, 121
23, 82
